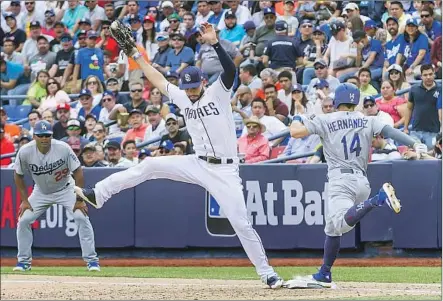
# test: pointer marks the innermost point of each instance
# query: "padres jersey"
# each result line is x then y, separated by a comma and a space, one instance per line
346, 137
51, 172
209, 121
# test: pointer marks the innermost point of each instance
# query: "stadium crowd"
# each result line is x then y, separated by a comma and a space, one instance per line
291, 55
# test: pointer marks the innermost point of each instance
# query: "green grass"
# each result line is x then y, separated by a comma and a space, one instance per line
357, 274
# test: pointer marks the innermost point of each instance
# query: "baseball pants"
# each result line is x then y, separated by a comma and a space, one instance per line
40, 203
344, 191
221, 180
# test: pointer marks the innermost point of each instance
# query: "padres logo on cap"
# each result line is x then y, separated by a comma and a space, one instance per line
187, 77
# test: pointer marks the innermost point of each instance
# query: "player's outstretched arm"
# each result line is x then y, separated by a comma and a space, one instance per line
298, 129
397, 135
123, 35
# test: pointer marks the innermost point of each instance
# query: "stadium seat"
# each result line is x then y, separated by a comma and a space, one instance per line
10, 111
276, 151
22, 111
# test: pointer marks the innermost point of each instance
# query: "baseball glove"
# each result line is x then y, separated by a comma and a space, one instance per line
123, 36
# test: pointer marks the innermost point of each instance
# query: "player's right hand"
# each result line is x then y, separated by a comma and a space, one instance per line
81, 205
25, 205
420, 149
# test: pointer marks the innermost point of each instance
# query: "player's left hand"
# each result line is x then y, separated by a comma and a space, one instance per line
208, 33
81, 205
420, 149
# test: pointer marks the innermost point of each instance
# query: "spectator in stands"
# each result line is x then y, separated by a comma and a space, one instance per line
159, 60
415, 50
285, 93
31, 46
382, 149
138, 127
89, 156
393, 105
6, 147
273, 125
299, 102
254, 145
33, 117
370, 108
313, 53
369, 55
204, 12
13, 81
175, 26
354, 80
14, 7
113, 85
241, 12
268, 76
10, 55
175, 135
42, 60
99, 133
283, 52
75, 144
180, 56
166, 148
90, 122
84, 24
274, 106
96, 14
264, 33
135, 21
248, 77
62, 57
137, 102
241, 106
23, 140
397, 11
115, 155
143, 153
232, 32
321, 72
37, 90
107, 43
87, 106
246, 44
422, 104
12, 131
73, 14
364, 78
327, 105
100, 154
74, 131
32, 14
130, 151
109, 104
217, 12
392, 47
68, 75
167, 8
48, 116
63, 115
110, 12
54, 96
48, 28
95, 86
17, 35
396, 77
148, 36
435, 153
430, 27
157, 125
436, 57
301, 146
132, 8
155, 99
289, 18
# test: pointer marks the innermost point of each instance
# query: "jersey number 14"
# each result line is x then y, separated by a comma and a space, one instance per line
354, 148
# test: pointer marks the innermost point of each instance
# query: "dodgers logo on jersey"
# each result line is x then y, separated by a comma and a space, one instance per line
48, 168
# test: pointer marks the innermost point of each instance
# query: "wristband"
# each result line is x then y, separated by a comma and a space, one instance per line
136, 56
297, 118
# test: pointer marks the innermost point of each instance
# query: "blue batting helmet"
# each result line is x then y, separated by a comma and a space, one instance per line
346, 94
42, 127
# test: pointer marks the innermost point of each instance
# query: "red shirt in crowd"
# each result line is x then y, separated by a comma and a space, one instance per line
6, 147
111, 46
256, 149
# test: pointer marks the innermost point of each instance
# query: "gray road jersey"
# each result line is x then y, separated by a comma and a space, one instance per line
346, 137
51, 172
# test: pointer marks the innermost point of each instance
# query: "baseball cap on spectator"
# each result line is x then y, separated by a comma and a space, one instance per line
167, 4
230, 14
393, 19
336, 26
322, 83
107, 92
9, 15
177, 34
144, 152
63, 106
370, 24
24, 137
358, 35
74, 143
58, 23
81, 33
43, 127
297, 87
395, 67
190, 78
249, 25
318, 29
321, 62
113, 144
15, 2
134, 17
171, 116
167, 145
35, 24
268, 11
351, 6
281, 26
305, 21
91, 116
149, 18
65, 37
162, 36
73, 123
171, 74
92, 34
412, 21
49, 12
111, 79
42, 38
173, 16
89, 146
152, 109
84, 21
289, 1
368, 98
106, 22
85, 92
135, 111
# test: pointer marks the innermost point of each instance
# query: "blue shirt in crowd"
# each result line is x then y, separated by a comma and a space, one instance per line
13, 72
233, 35
410, 50
374, 46
95, 111
186, 55
215, 19
393, 47
435, 30
282, 51
91, 62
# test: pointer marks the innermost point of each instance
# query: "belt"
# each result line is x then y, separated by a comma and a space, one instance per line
351, 171
214, 160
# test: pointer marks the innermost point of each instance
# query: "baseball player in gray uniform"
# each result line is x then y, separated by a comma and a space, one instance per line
50, 163
346, 137
214, 166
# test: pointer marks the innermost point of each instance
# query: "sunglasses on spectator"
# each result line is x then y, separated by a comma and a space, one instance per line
44, 135
105, 27
152, 11
49, 15
107, 99
306, 26
369, 105
176, 39
50, 83
92, 83
81, 38
73, 128
171, 123
319, 67
425, 16
164, 151
136, 90
252, 126
98, 131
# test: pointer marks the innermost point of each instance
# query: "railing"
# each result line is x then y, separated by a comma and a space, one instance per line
287, 158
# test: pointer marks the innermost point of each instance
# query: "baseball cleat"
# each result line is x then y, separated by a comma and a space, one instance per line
387, 195
93, 266
22, 267
316, 281
273, 282
87, 195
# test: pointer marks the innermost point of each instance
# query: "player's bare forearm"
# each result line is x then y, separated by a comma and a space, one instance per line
78, 177
153, 76
298, 130
21, 186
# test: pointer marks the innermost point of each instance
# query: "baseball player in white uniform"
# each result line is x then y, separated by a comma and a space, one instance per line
50, 163
346, 136
210, 123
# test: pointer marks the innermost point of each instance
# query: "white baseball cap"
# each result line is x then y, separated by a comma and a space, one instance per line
395, 67
167, 4
351, 6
